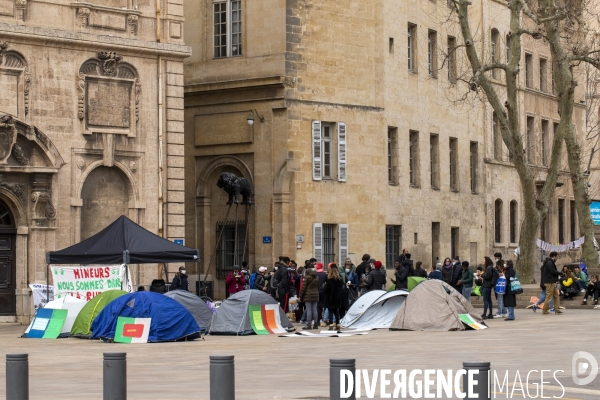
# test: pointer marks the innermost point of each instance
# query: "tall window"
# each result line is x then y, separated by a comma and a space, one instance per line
561, 220
414, 158
434, 161
327, 149
528, 70
495, 38
544, 140
328, 243
412, 47
227, 28
544, 229
226, 254
498, 221
431, 53
573, 220
513, 221
496, 137
392, 156
530, 134
473, 160
451, 59
454, 241
543, 75
507, 49
391, 45
453, 164
393, 244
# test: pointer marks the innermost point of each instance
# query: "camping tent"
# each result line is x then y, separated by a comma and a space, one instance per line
374, 310
70, 303
195, 305
81, 326
232, 316
433, 306
123, 242
170, 320
413, 281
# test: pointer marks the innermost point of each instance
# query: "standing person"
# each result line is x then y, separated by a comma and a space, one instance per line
362, 283
456, 274
549, 278
499, 272
436, 272
234, 281
402, 256
419, 271
322, 275
260, 283
344, 304
351, 283
246, 272
466, 281
401, 273
360, 270
447, 271
333, 296
180, 281
377, 278
309, 294
158, 286
487, 287
283, 285
509, 298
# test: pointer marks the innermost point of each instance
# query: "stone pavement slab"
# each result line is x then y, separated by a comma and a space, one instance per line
269, 367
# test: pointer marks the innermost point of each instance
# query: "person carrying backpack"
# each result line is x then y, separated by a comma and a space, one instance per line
246, 272
259, 282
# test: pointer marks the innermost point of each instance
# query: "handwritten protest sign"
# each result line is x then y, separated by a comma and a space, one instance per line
87, 282
40, 294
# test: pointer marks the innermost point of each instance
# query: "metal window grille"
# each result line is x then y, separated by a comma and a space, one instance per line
573, 218
410, 47
473, 166
561, 220
392, 138
414, 160
434, 165
513, 221
451, 59
453, 164
225, 252
498, 221
393, 239
328, 243
430, 51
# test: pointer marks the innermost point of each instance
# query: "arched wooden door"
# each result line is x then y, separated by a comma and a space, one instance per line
7, 262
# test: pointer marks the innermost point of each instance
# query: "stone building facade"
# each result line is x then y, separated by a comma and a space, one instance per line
91, 128
359, 142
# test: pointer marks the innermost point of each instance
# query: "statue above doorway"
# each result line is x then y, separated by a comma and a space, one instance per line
234, 186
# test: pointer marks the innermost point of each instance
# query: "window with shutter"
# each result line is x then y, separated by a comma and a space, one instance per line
318, 241
341, 152
343, 236
316, 148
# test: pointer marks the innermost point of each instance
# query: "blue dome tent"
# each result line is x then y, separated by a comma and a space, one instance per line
170, 320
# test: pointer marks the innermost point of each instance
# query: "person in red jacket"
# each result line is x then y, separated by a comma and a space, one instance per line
235, 281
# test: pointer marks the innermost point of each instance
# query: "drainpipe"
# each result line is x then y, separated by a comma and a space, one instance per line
160, 152
158, 32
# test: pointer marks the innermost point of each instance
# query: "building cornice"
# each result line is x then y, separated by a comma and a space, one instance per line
84, 40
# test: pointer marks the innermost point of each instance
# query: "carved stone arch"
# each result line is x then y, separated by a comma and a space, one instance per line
130, 182
14, 204
13, 64
109, 95
283, 178
202, 189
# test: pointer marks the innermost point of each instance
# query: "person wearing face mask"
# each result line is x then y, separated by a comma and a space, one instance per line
351, 282
180, 281
447, 271
502, 310
456, 274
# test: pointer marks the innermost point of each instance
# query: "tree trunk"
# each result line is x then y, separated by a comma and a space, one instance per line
525, 266
586, 224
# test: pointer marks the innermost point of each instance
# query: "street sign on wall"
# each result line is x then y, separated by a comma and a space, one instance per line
595, 211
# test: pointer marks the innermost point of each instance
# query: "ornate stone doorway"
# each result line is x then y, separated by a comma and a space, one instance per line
7, 262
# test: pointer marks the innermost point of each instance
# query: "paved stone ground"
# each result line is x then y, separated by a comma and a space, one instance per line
269, 367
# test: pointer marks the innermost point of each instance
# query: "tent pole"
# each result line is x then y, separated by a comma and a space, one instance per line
217, 244
235, 237
246, 232
47, 284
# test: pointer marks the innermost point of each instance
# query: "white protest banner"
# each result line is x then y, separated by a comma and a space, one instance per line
40, 294
87, 282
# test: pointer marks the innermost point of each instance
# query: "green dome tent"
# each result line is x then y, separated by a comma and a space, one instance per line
81, 326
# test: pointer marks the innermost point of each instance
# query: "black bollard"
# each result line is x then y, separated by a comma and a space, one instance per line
114, 372
17, 377
482, 389
336, 366
222, 378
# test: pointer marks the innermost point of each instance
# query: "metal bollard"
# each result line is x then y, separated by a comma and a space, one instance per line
17, 377
335, 368
222, 378
114, 372
482, 389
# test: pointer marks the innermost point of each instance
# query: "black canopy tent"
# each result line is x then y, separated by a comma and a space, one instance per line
122, 242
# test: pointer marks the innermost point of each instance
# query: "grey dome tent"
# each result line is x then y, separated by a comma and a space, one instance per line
195, 305
231, 317
374, 310
433, 306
